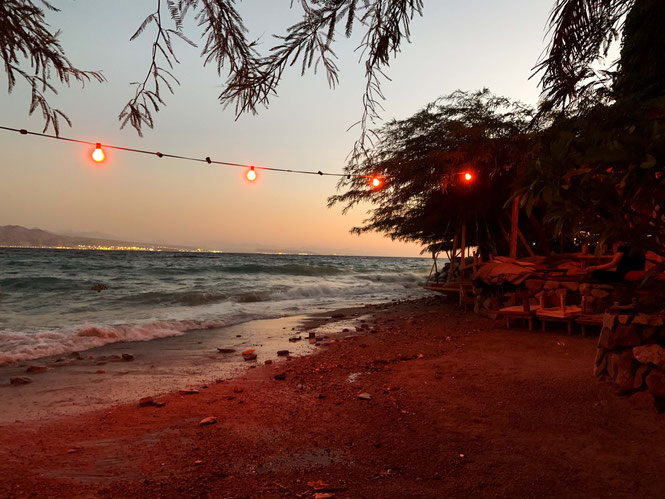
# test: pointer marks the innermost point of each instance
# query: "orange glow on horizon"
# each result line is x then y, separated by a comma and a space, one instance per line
98, 154
251, 174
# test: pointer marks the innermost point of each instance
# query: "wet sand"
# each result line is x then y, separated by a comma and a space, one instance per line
458, 406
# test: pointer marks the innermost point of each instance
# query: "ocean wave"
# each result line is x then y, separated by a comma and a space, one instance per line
24, 346
290, 269
186, 298
37, 284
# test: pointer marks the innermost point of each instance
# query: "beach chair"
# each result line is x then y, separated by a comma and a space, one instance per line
524, 311
561, 313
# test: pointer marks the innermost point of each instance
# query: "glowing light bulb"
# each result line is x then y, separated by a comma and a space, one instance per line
98, 154
251, 175
468, 177
376, 182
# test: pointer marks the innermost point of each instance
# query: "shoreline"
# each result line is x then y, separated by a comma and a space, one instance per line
435, 402
122, 372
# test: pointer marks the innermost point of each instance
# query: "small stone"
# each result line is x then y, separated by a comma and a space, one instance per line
127, 357
268, 362
20, 380
208, 421
150, 402
624, 319
238, 389
100, 371
115, 357
282, 353
280, 376
650, 354
225, 350
36, 369
188, 391
364, 396
249, 356
337, 316
294, 339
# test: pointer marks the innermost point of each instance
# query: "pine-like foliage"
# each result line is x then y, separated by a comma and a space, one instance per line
252, 78
424, 197
31, 51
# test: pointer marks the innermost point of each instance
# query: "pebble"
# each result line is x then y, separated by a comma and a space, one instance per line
36, 369
127, 357
208, 421
226, 350
280, 376
188, 391
282, 353
100, 371
364, 396
150, 402
20, 380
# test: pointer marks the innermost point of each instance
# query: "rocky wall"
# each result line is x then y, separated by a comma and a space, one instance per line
631, 355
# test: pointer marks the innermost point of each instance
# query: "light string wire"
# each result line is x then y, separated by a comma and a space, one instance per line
207, 159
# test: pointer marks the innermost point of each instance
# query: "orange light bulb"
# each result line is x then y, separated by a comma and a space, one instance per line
98, 154
468, 177
251, 175
376, 182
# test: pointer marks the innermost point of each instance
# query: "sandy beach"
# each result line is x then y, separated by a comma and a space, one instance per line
451, 404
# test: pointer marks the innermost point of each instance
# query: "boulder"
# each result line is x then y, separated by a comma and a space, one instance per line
585, 288
606, 339
551, 285
20, 380
571, 286
533, 285
599, 293
648, 334
656, 383
621, 367
650, 354
642, 319
599, 369
609, 320
627, 336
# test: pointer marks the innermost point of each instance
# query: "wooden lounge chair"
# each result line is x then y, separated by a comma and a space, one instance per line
524, 311
561, 313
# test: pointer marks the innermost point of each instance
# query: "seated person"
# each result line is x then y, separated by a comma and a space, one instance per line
626, 258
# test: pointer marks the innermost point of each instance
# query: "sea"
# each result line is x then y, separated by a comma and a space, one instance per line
58, 301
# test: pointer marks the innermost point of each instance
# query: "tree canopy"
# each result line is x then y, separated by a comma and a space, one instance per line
422, 159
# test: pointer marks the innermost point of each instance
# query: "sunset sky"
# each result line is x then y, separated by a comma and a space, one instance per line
53, 186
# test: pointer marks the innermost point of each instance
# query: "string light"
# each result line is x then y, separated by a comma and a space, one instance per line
251, 174
206, 159
98, 154
468, 177
376, 182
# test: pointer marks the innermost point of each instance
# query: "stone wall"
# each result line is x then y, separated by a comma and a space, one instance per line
631, 355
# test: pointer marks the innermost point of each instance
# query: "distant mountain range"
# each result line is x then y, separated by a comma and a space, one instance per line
17, 236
